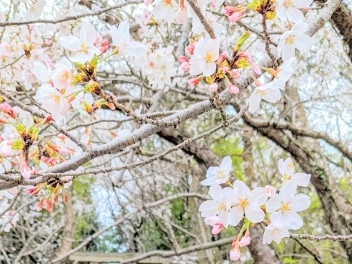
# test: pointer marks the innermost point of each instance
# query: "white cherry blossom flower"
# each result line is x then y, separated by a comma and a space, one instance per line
206, 52
121, 38
294, 39
269, 92
83, 47
285, 70
218, 175
247, 202
286, 169
274, 232
220, 204
165, 9
290, 9
283, 207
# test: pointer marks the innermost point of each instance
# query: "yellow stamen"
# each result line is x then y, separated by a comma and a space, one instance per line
209, 57
243, 203
221, 207
221, 174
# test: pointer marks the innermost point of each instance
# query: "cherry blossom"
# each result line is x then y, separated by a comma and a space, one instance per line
283, 207
124, 45
286, 169
269, 92
290, 9
247, 202
219, 205
219, 175
274, 232
83, 47
206, 52
165, 9
294, 39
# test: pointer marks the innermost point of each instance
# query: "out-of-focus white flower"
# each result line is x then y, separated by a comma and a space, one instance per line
218, 175
121, 38
165, 9
287, 170
290, 9
83, 47
274, 232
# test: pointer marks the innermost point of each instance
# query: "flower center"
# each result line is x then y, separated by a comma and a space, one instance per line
285, 207
209, 57
168, 2
221, 207
243, 203
84, 48
221, 174
290, 40
262, 93
288, 3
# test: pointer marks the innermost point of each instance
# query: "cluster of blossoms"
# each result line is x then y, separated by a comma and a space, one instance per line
212, 65
237, 205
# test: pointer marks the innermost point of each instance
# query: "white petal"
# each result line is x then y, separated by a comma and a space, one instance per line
236, 215
273, 203
241, 189
302, 3
303, 43
87, 34
254, 213
300, 202
209, 69
40, 71
272, 96
295, 15
299, 28
288, 52
71, 43
254, 101
258, 196
281, 12
226, 164
287, 191
215, 191
301, 179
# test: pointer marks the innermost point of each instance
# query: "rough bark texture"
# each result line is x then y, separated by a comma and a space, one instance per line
261, 253
342, 19
68, 236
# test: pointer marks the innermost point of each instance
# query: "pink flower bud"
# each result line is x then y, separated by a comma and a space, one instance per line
148, 2
246, 240
217, 229
194, 81
235, 254
234, 74
26, 172
270, 190
213, 87
40, 204
233, 89
185, 66
190, 48
236, 16
256, 68
104, 46
223, 56
182, 59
